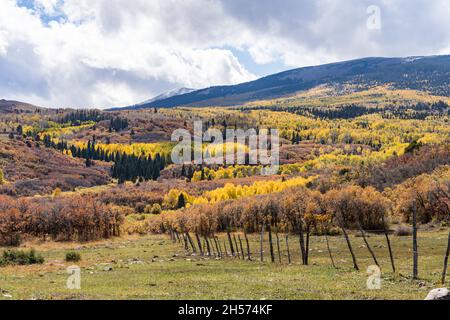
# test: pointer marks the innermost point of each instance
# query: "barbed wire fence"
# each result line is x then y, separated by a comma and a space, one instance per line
433, 249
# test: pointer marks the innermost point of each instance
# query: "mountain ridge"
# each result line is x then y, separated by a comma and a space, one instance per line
8, 106
168, 94
424, 73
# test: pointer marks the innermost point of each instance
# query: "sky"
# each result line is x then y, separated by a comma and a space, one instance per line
110, 53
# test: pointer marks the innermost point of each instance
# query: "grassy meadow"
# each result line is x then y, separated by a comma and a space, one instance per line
154, 267
103, 184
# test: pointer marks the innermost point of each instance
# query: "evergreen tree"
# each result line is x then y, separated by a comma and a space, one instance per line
202, 177
181, 201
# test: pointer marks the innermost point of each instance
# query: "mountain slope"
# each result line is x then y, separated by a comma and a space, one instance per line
8, 106
431, 74
32, 170
167, 95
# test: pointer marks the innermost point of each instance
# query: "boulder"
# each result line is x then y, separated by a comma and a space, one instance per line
439, 294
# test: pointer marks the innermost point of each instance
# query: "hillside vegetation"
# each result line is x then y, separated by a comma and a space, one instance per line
364, 157
428, 74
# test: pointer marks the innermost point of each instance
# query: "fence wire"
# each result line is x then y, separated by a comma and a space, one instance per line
432, 250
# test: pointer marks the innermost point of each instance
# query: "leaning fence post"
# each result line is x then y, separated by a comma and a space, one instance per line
391, 254
329, 250
226, 249
212, 248
236, 246
199, 243
207, 246
415, 248
287, 248
231, 243
369, 248
219, 248
355, 264
308, 235
278, 246
248, 246
191, 242
302, 243
444, 273
261, 239
186, 247
272, 255
242, 249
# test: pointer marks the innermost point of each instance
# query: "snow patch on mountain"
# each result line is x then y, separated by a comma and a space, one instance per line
168, 94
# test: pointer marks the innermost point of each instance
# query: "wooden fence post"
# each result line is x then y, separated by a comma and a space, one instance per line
367, 244
226, 249
199, 243
207, 246
242, 248
278, 246
261, 239
191, 242
231, 243
248, 246
212, 248
217, 247
391, 254
308, 234
329, 250
272, 255
185, 242
287, 247
444, 273
302, 242
415, 247
355, 263
236, 246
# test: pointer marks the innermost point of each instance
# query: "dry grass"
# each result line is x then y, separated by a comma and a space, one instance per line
153, 267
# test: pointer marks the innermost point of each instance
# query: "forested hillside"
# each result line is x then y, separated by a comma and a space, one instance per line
359, 165
427, 74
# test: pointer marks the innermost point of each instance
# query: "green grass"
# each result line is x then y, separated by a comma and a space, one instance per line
153, 267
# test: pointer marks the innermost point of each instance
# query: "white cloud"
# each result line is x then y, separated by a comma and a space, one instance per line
48, 7
105, 53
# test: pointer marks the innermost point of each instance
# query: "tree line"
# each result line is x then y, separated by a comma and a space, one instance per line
126, 167
297, 210
75, 218
77, 117
419, 111
303, 212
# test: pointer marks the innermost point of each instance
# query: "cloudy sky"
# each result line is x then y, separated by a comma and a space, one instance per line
103, 53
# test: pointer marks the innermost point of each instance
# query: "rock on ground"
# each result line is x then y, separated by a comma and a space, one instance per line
439, 294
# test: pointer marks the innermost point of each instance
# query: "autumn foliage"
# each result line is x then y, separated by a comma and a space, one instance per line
428, 193
62, 218
291, 210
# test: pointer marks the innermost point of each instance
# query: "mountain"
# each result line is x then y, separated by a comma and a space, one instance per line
431, 74
9, 106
